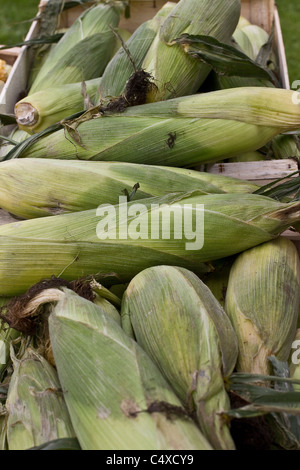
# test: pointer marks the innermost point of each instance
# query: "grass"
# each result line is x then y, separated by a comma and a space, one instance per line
13, 12
289, 12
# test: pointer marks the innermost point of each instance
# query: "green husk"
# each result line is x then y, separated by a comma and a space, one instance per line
250, 39
187, 334
175, 73
36, 410
40, 110
122, 36
262, 301
181, 132
286, 146
120, 68
257, 38
104, 244
121, 403
68, 61
71, 186
16, 136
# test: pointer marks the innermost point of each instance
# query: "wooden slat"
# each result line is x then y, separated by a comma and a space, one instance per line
259, 12
280, 50
256, 171
293, 236
141, 11
10, 55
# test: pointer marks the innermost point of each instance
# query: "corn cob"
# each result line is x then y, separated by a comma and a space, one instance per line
175, 73
262, 301
181, 132
70, 186
286, 146
36, 410
118, 400
115, 250
40, 110
243, 42
189, 337
68, 61
250, 38
120, 68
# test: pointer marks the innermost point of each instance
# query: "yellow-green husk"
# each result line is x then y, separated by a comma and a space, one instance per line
110, 399
178, 322
101, 244
262, 301
182, 132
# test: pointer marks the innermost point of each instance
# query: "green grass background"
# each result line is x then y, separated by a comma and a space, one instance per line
13, 12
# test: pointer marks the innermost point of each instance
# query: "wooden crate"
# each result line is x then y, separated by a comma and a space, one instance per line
260, 12
10, 55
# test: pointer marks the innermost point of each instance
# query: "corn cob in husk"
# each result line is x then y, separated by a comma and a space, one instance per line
262, 301
68, 61
286, 146
175, 73
40, 110
36, 410
257, 37
120, 68
180, 132
103, 243
107, 411
250, 39
188, 335
71, 186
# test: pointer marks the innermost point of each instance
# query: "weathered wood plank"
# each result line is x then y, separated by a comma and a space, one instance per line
256, 171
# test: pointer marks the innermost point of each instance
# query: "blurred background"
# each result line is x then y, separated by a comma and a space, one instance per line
16, 16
